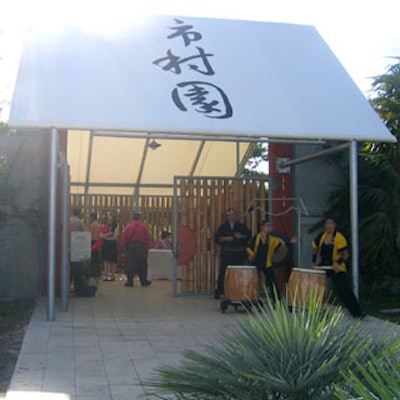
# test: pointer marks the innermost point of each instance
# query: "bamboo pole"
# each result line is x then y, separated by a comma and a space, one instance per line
182, 220
213, 227
191, 225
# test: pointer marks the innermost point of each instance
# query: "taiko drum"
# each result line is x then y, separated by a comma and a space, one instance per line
302, 282
241, 283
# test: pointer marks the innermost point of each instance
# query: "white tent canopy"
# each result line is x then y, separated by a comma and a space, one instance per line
186, 82
192, 76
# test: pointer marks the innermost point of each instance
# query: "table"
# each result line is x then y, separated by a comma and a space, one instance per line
160, 265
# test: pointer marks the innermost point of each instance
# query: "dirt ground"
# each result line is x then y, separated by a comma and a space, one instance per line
14, 318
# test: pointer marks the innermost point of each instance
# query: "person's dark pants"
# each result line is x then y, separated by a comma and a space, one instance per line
345, 293
76, 274
227, 258
271, 282
136, 261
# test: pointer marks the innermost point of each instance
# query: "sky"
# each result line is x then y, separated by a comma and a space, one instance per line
363, 34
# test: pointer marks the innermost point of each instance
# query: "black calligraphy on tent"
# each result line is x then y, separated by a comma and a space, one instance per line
201, 96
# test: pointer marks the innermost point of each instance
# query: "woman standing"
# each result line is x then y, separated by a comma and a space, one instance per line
109, 249
261, 250
332, 249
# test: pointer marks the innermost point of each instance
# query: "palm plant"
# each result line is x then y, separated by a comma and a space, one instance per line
274, 354
387, 104
378, 379
379, 214
379, 188
379, 185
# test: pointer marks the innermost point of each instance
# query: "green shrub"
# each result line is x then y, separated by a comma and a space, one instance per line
273, 354
376, 379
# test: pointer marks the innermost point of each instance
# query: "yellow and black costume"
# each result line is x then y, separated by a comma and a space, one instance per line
261, 253
330, 254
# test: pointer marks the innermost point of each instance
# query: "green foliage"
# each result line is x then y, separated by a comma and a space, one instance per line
379, 189
14, 310
90, 270
378, 206
273, 354
5, 129
387, 104
379, 186
374, 305
377, 379
258, 153
4, 186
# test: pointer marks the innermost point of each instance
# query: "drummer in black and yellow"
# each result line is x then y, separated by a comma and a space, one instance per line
261, 250
332, 249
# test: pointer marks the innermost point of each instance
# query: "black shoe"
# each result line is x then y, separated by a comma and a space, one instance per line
129, 284
147, 283
360, 316
217, 295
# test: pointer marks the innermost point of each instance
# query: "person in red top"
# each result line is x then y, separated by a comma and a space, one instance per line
136, 241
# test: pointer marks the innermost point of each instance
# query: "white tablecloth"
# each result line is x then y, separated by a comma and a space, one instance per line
160, 265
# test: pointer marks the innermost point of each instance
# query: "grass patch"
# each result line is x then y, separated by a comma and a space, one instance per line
16, 309
14, 317
375, 303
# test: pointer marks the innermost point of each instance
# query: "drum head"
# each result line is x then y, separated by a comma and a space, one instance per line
283, 255
243, 267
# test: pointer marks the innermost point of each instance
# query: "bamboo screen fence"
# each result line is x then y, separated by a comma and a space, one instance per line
201, 206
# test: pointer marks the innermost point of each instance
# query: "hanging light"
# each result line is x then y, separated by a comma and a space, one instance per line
154, 145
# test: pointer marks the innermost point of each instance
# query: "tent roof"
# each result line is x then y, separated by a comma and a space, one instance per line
197, 85
192, 75
102, 163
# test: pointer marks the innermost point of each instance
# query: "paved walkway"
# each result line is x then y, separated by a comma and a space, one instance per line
105, 346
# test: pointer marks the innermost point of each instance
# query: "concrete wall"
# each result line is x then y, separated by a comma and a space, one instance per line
313, 181
23, 214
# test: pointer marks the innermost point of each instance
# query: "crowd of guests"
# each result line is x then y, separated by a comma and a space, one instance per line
135, 242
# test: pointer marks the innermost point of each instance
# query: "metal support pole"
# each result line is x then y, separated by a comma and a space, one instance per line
51, 231
237, 159
175, 239
314, 155
354, 214
65, 241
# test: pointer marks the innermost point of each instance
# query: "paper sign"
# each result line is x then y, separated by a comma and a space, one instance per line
81, 246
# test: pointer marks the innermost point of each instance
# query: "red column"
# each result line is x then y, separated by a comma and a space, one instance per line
281, 187
62, 140
62, 148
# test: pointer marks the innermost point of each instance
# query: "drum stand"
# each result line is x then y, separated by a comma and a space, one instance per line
247, 305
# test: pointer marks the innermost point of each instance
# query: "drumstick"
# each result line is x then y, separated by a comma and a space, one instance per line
322, 267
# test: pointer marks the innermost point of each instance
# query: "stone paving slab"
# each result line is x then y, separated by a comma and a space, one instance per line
104, 347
